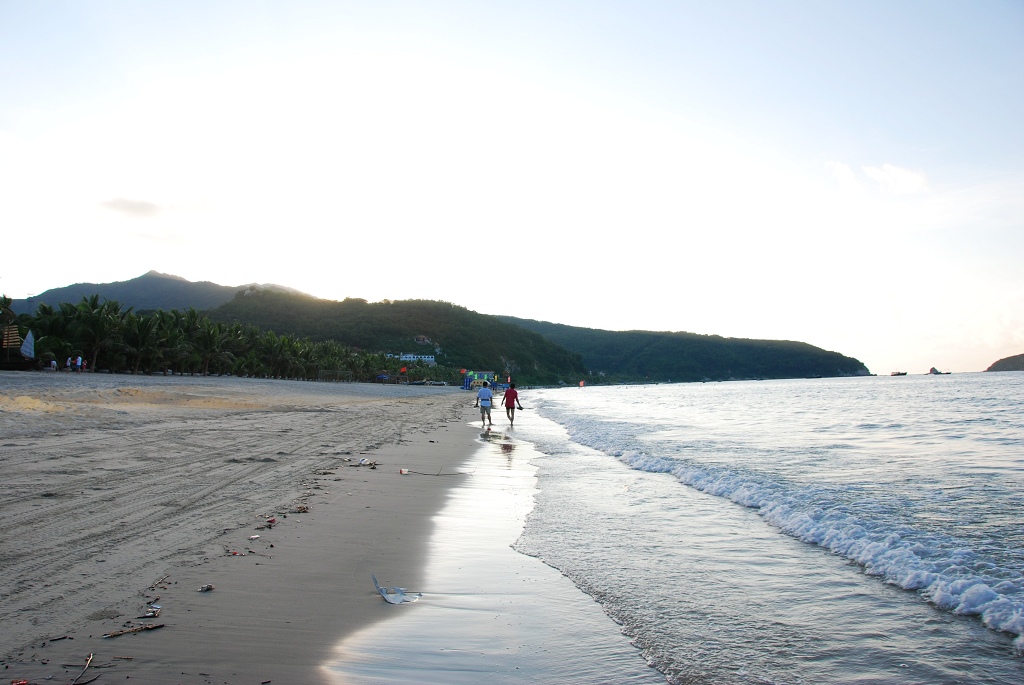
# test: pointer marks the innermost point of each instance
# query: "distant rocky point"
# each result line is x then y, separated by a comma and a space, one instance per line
1014, 363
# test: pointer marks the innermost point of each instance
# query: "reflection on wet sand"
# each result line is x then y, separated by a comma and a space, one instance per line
504, 442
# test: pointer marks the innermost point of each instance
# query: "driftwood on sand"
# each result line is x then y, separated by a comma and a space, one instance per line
136, 629
79, 676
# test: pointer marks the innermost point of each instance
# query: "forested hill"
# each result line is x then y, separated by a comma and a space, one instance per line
464, 338
660, 356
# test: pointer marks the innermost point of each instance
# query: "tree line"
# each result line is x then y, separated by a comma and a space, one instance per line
111, 337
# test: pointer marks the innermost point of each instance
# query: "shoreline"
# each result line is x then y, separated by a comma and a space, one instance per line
489, 612
117, 482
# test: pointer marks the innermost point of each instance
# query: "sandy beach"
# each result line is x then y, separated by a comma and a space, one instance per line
127, 493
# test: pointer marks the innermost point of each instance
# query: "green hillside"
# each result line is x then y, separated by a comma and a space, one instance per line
663, 356
457, 336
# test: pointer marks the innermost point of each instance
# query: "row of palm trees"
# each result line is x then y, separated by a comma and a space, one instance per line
112, 338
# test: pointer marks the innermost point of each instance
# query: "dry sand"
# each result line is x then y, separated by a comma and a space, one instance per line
120, 489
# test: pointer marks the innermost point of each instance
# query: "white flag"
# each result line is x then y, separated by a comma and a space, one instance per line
28, 348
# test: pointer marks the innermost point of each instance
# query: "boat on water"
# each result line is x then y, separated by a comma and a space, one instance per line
935, 372
898, 373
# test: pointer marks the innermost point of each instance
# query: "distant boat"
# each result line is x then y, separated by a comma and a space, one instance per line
898, 373
935, 372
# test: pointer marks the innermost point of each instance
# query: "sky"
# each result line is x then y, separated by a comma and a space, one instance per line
845, 173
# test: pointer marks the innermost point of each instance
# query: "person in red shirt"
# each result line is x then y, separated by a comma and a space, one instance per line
510, 401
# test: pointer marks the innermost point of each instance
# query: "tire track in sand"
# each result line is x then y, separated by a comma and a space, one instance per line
100, 514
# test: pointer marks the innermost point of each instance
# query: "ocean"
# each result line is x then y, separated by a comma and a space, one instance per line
855, 530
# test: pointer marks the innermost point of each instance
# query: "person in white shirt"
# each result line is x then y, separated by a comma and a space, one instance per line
484, 399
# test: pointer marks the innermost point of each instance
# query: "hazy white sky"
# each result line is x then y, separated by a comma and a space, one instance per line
848, 174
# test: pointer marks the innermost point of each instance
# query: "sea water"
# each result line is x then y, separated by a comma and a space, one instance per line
859, 530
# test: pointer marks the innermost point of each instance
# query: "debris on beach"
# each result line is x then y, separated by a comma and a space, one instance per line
157, 583
440, 472
136, 629
151, 612
366, 462
254, 537
395, 595
269, 521
206, 588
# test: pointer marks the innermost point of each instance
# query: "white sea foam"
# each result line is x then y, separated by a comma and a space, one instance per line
873, 524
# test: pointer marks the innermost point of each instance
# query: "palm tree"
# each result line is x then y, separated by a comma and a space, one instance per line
50, 326
7, 315
98, 325
279, 354
140, 340
249, 365
211, 344
174, 346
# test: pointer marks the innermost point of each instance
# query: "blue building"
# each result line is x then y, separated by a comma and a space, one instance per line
474, 379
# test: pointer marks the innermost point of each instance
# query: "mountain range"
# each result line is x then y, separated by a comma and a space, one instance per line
543, 352
148, 292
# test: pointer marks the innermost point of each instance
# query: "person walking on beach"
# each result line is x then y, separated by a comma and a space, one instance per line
510, 401
483, 400
78, 364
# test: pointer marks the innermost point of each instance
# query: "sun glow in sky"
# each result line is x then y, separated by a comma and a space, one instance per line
848, 174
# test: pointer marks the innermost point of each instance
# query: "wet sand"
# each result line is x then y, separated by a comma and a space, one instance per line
122, 491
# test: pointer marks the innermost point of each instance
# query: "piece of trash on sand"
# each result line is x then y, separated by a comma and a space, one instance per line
395, 595
404, 472
206, 588
254, 537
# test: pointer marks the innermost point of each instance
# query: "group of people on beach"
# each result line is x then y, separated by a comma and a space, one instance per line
77, 364
485, 398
